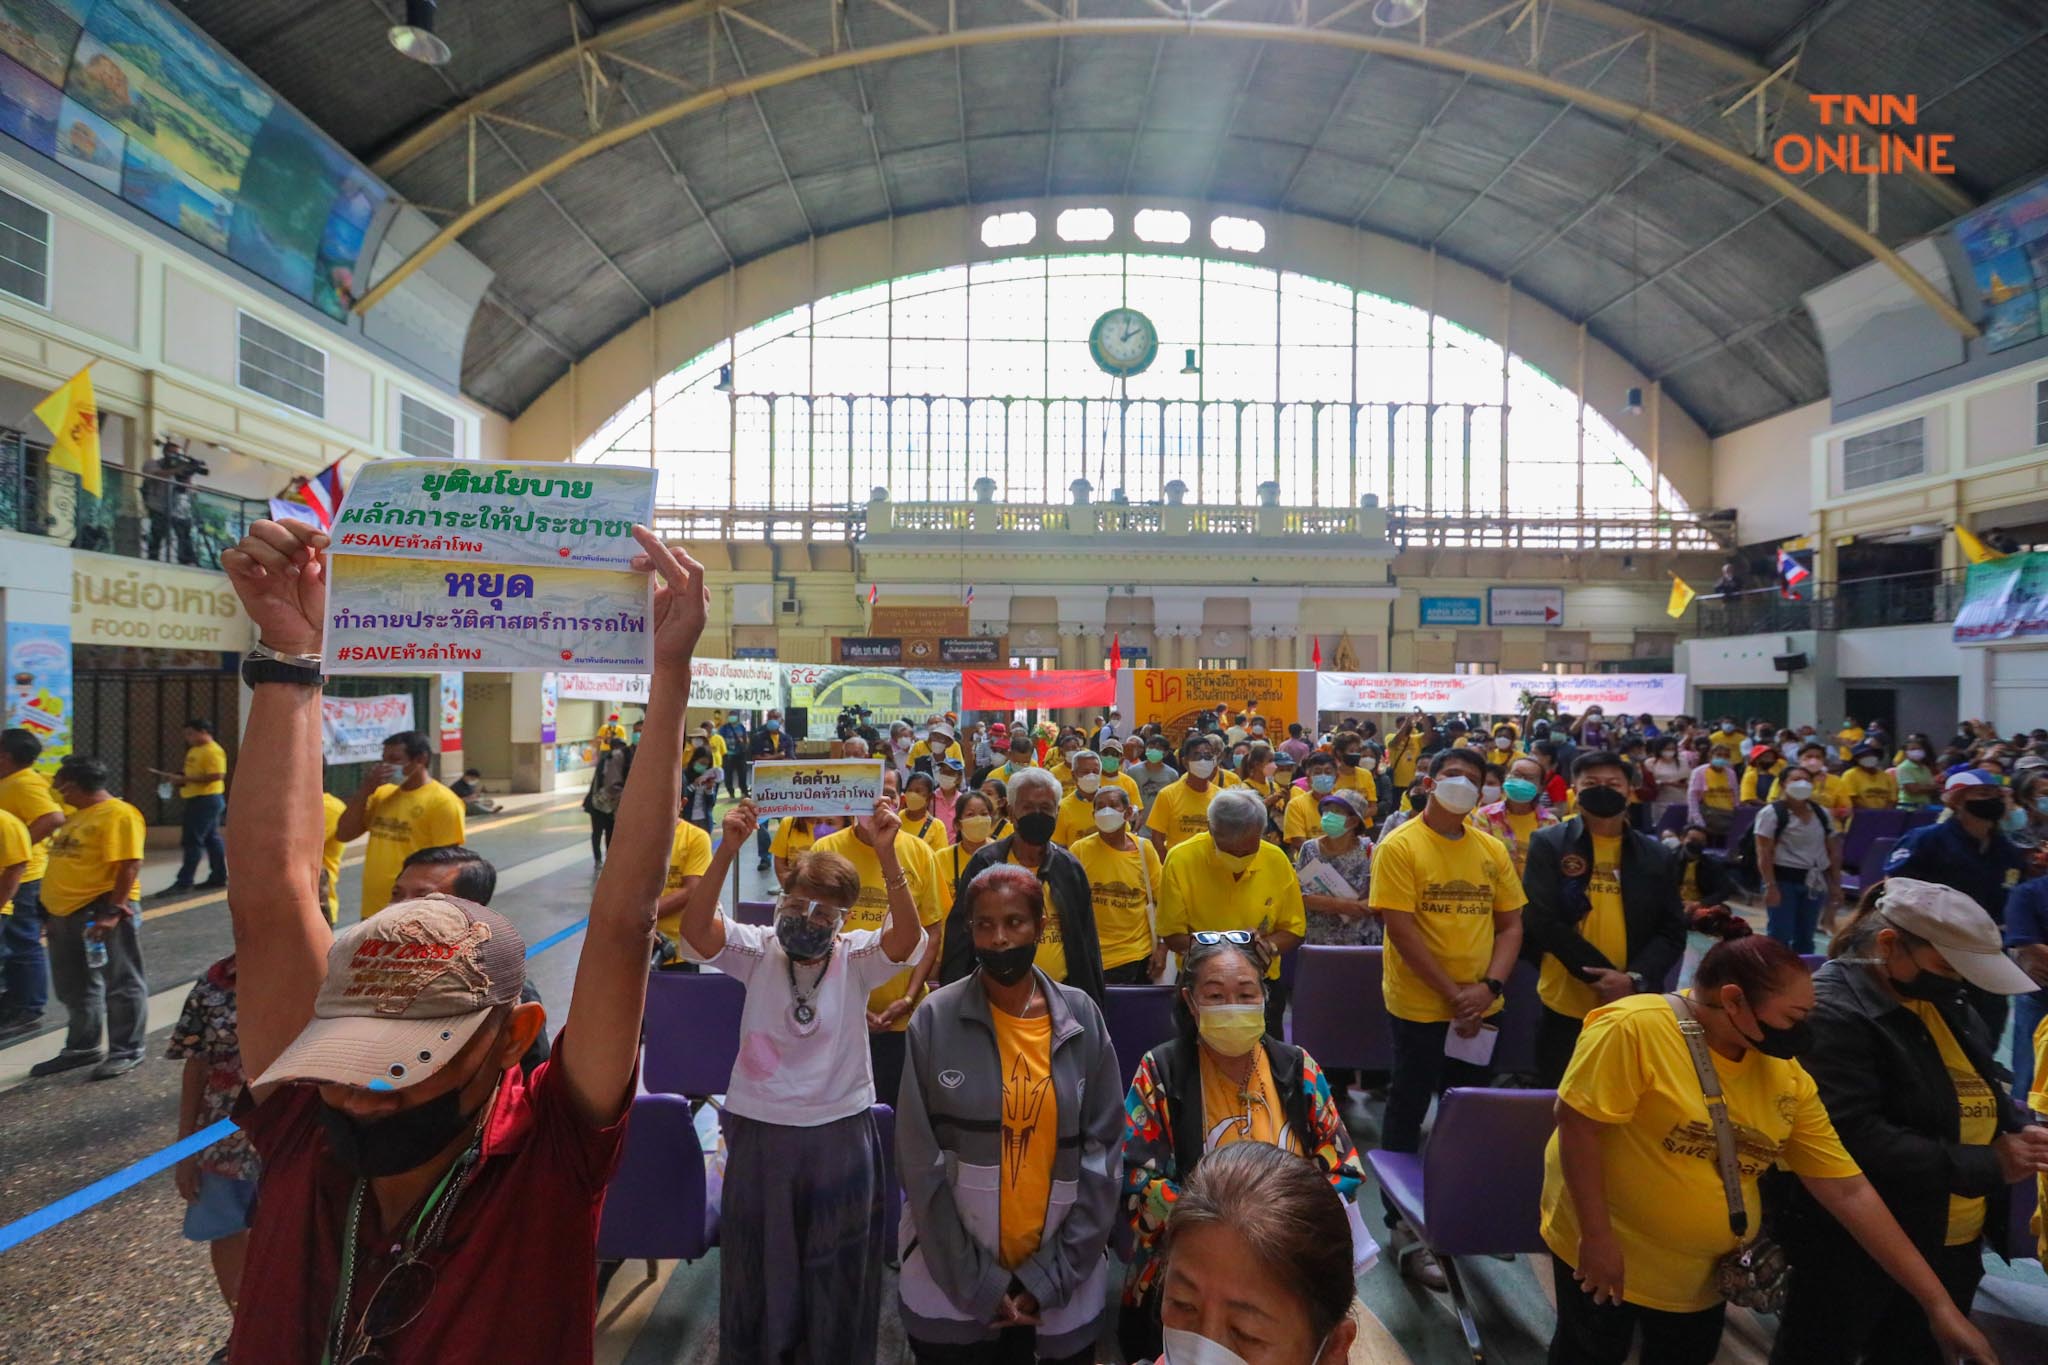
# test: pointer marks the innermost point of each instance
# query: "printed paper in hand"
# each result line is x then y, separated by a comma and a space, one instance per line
1318, 878
1478, 1049
826, 787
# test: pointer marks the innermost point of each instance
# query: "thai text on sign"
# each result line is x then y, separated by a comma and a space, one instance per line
833, 787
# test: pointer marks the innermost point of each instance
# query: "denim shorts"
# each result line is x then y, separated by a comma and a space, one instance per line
223, 1208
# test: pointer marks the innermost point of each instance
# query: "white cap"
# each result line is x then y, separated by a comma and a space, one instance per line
1956, 925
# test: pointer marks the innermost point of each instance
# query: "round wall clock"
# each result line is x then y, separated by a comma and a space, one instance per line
1124, 342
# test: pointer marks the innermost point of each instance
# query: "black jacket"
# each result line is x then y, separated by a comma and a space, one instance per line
1179, 1068
1559, 903
1894, 1106
1711, 877
1060, 872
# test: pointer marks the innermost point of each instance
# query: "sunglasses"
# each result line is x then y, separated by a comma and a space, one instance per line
1209, 938
400, 1298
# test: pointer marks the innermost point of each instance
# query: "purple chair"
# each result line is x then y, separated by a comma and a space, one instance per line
2019, 1242
1866, 827
1813, 962
1672, 821
1476, 1188
1514, 1052
1139, 1018
1339, 1013
691, 1031
1871, 870
1738, 825
757, 912
892, 1188
654, 1208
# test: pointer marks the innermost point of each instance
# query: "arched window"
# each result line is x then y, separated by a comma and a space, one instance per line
927, 383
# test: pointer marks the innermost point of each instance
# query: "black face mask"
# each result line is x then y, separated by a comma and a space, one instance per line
1417, 800
1602, 802
1007, 966
1693, 850
1348, 760
1784, 1043
1036, 828
398, 1143
1991, 809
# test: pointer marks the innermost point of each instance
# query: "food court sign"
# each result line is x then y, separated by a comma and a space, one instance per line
152, 606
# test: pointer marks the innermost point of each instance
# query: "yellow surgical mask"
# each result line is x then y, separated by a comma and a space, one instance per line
1231, 1030
974, 828
915, 801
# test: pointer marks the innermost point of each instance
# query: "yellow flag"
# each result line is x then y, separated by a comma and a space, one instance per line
1681, 597
74, 417
1975, 550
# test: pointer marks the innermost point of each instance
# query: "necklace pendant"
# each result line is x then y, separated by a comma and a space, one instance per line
803, 1012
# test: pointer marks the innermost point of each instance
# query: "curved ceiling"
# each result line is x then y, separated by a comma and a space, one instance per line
1689, 265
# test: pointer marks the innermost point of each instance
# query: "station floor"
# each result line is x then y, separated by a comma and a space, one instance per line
118, 1282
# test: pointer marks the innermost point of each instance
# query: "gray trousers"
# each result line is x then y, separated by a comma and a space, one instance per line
115, 995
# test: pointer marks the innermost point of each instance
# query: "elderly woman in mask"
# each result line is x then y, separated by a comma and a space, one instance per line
801, 1228
1222, 1080
1909, 1076
1007, 1127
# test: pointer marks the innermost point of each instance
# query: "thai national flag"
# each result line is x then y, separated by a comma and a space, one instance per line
968, 600
874, 591
322, 493
1791, 571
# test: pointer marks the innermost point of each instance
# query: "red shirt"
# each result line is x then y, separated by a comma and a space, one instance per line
517, 1267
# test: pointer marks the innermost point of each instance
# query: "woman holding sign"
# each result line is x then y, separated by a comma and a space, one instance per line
801, 1234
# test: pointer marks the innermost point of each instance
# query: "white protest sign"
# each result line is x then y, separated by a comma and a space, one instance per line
1370, 692
826, 787
352, 729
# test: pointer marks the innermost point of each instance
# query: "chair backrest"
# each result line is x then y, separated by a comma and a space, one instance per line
1872, 867
654, 1206
1139, 1018
1514, 1052
757, 912
1813, 962
1672, 821
892, 1189
692, 1032
1866, 827
1339, 1014
1482, 1171
1926, 815
1738, 825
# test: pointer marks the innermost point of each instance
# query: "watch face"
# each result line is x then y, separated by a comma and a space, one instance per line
1124, 341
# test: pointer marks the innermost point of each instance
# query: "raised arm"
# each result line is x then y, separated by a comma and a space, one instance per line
279, 570
598, 1052
702, 928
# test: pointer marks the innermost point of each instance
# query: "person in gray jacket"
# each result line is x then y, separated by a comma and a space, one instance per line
1009, 1137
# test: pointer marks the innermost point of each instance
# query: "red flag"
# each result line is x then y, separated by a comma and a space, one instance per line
874, 591
1116, 651
1315, 657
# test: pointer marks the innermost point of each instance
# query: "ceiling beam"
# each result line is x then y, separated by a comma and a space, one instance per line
753, 95
1623, 114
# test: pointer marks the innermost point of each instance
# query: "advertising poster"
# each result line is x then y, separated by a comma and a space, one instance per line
827, 787
451, 712
550, 702
1175, 697
352, 729
821, 691
39, 687
2004, 599
494, 515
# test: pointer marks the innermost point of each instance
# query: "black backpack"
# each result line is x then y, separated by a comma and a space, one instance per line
1745, 852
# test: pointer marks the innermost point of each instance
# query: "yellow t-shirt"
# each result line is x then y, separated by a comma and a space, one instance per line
1359, 779
26, 796
1521, 824
1252, 1114
84, 851
688, 856
928, 827
1051, 957
1633, 1073
14, 848
2037, 1100
1847, 740
401, 823
207, 757
1401, 758
925, 749
1117, 883
1979, 1112
1736, 741
331, 807
715, 742
871, 911
1303, 818
1454, 888
1719, 791
1863, 790
1199, 890
1179, 812
1059, 769
1031, 1132
611, 729
792, 838
951, 862
1077, 811
1603, 927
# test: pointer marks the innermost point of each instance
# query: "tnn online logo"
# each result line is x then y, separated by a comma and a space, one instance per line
1874, 151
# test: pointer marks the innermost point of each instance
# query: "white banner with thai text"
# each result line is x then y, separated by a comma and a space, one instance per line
1382, 692
1635, 694
1500, 694
352, 729
744, 684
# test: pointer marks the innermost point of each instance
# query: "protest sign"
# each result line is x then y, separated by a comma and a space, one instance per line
1176, 697
575, 516
540, 579
386, 615
2004, 599
824, 787
1368, 693
1499, 694
352, 729
1658, 694
1009, 688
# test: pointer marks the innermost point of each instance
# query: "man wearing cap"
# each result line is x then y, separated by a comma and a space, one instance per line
1909, 1077
1603, 910
1968, 851
395, 1128
938, 743
951, 774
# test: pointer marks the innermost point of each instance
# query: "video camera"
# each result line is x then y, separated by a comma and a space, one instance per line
178, 463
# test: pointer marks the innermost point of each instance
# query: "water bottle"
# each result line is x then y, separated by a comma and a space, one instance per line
95, 951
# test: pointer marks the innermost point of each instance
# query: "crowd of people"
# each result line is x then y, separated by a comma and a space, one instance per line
1781, 1135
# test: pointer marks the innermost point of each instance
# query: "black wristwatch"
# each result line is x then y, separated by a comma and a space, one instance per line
1494, 984
266, 665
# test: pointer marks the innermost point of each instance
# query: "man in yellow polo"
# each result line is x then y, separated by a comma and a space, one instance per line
1228, 879
89, 899
203, 784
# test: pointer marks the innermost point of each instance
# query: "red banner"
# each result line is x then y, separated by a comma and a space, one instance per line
1008, 689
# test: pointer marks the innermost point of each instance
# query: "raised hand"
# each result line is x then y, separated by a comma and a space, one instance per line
739, 822
681, 601
885, 822
279, 570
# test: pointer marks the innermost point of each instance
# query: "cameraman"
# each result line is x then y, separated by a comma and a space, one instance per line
168, 498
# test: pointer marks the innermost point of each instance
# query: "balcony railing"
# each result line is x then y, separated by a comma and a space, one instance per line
137, 515
1596, 530
1908, 599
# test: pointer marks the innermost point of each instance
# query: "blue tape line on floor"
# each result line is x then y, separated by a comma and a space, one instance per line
101, 1190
